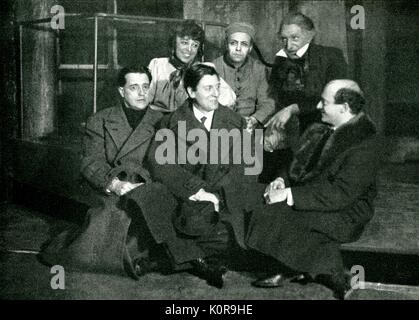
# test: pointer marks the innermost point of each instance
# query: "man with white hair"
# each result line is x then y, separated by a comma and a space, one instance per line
327, 197
301, 70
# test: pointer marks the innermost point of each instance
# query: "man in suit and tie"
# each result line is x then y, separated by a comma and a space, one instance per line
115, 144
210, 196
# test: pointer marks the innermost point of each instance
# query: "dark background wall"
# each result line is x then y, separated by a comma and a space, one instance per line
402, 69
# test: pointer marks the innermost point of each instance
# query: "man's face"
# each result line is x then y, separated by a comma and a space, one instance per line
135, 90
294, 37
239, 45
206, 94
331, 112
186, 49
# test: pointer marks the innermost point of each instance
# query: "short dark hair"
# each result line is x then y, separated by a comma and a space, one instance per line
195, 73
299, 19
187, 28
132, 69
354, 99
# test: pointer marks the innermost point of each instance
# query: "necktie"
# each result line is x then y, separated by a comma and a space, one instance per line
203, 122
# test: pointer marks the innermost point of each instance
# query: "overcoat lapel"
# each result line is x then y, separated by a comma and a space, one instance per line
118, 127
141, 134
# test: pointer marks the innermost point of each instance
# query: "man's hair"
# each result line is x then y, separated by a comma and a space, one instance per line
354, 99
298, 19
195, 73
187, 28
132, 69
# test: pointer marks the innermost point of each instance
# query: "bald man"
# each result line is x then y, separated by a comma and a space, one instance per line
327, 196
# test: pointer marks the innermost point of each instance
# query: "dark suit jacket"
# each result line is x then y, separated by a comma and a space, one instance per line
183, 180
333, 200
323, 65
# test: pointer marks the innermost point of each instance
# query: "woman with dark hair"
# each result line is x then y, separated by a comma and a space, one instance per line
167, 92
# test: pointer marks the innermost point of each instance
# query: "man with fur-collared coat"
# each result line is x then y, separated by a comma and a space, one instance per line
328, 198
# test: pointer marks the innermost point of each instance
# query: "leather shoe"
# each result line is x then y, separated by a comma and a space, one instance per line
212, 271
274, 281
338, 282
278, 280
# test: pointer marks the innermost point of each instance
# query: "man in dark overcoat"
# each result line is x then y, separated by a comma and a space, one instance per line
327, 198
209, 185
300, 71
115, 144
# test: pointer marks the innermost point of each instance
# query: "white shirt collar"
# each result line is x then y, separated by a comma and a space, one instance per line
199, 114
300, 52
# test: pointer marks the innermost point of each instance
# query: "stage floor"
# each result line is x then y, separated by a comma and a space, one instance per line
393, 233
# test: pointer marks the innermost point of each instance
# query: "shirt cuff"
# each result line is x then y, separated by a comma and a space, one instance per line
290, 199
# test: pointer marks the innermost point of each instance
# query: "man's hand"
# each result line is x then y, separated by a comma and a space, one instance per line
278, 183
202, 195
122, 187
251, 123
276, 195
283, 116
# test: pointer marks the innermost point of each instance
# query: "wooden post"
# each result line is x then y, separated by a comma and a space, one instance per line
39, 70
373, 69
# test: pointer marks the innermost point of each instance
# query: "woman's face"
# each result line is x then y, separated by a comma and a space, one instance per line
186, 48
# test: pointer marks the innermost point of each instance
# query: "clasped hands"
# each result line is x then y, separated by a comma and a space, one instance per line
203, 195
276, 191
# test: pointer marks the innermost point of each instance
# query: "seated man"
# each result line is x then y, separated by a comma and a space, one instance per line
327, 198
247, 76
115, 144
301, 70
208, 193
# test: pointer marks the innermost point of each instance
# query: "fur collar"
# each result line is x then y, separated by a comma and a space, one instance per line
309, 161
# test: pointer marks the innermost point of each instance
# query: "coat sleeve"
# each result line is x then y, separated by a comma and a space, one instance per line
356, 175
94, 165
265, 104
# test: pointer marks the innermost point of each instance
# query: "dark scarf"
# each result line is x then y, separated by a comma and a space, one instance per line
134, 116
177, 75
319, 149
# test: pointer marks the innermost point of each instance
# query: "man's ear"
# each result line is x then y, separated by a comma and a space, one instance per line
121, 91
345, 107
190, 92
